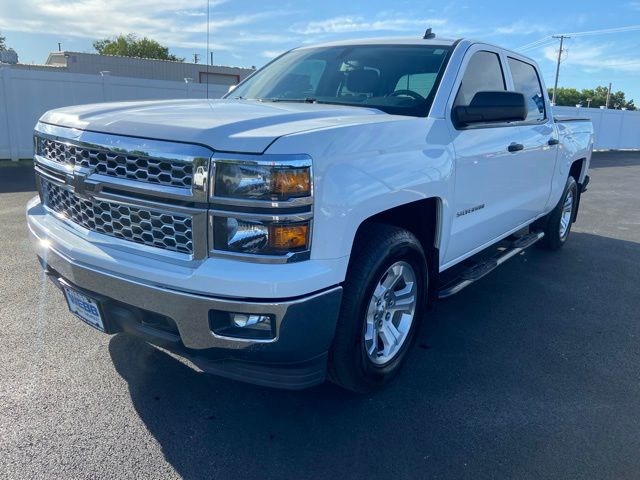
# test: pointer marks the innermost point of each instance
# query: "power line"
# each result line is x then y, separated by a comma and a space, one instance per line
629, 28
544, 41
536, 43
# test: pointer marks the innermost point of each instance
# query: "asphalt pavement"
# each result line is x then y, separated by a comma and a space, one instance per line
533, 372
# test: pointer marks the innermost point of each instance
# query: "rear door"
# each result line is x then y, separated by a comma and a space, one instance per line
539, 137
488, 177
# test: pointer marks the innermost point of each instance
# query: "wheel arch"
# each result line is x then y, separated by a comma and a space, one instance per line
423, 218
578, 172
577, 169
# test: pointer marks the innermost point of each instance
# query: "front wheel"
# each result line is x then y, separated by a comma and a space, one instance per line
557, 224
383, 301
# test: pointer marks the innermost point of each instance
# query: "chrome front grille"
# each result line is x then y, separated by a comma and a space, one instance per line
136, 193
127, 165
150, 227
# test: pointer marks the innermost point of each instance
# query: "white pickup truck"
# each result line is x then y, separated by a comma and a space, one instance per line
300, 228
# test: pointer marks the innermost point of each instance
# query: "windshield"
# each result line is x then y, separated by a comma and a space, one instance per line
397, 79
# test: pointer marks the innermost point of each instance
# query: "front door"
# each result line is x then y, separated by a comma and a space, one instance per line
490, 183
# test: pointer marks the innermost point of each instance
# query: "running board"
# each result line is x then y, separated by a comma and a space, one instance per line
479, 270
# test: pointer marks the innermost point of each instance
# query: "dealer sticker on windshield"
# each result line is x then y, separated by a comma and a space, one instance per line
83, 307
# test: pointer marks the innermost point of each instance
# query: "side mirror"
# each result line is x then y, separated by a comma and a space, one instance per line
231, 88
487, 107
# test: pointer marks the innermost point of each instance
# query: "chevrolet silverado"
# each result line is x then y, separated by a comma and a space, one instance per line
301, 227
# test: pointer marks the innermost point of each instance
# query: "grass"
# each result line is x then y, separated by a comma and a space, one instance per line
25, 162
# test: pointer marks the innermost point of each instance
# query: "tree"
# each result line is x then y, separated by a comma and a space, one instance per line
131, 46
593, 97
3, 46
566, 96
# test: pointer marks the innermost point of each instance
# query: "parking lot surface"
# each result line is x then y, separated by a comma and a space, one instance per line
532, 372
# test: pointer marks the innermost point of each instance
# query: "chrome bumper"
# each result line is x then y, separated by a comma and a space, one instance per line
296, 358
189, 311
304, 326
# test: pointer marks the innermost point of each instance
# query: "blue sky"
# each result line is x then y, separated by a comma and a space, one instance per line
249, 33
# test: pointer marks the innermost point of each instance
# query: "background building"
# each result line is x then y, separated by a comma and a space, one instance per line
93, 63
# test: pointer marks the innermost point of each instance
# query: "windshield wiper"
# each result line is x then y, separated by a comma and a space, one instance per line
293, 100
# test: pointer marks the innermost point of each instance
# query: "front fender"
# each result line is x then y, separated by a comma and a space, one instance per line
363, 170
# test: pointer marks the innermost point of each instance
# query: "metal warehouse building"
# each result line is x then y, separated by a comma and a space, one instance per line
92, 63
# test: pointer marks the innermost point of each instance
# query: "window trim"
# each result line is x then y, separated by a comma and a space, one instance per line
513, 87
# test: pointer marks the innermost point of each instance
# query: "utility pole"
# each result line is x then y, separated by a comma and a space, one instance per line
211, 60
555, 85
608, 95
196, 58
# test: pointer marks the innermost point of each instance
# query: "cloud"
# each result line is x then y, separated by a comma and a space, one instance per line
270, 54
175, 23
347, 24
595, 58
522, 27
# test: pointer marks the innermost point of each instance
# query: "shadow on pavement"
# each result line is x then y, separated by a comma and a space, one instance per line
17, 179
526, 368
606, 159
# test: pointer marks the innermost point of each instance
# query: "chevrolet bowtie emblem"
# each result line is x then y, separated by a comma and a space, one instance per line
79, 183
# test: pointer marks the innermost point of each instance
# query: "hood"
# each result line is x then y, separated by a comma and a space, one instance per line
224, 125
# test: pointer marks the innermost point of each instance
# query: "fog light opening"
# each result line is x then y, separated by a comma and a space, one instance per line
250, 326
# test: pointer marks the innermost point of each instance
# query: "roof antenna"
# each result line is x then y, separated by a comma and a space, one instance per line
428, 35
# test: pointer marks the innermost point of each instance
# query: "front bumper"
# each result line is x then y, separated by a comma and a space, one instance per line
179, 321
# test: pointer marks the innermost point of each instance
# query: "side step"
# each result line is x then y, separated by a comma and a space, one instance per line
479, 270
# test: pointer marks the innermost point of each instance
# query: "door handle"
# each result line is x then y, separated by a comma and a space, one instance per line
553, 141
515, 147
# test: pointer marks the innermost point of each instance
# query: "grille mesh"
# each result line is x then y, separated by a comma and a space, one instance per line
115, 164
156, 229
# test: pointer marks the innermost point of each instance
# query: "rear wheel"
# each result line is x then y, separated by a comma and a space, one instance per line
383, 301
557, 224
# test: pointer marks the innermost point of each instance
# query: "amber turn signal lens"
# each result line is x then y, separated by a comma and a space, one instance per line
291, 182
288, 237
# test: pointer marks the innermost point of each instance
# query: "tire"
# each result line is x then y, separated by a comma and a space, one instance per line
357, 359
556, 225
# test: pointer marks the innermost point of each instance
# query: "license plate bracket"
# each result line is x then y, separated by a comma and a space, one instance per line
84, 307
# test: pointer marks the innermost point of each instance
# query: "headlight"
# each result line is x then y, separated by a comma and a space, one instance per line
262, 237
276, 182
262, 207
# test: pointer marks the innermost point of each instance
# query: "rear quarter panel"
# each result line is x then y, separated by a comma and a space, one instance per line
576, 142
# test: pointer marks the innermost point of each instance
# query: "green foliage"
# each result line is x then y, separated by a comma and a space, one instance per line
3, 45
131, 46
572, 97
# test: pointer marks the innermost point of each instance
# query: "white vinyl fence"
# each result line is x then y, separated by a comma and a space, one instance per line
26, 94
614, 129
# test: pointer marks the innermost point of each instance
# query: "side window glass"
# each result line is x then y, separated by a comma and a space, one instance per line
526, 81
483, 73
